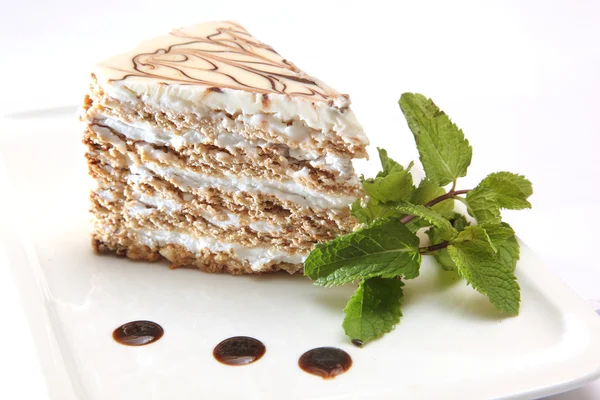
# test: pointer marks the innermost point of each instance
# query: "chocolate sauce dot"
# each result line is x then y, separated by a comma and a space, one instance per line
357, 342
239, 350
326, 362
138, 333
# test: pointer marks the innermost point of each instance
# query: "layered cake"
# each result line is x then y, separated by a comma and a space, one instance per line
211, 150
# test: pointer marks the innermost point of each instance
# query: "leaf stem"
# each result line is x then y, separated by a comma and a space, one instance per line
451, 194
434, 247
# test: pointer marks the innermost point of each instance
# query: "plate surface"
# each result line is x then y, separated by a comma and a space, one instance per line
451, 342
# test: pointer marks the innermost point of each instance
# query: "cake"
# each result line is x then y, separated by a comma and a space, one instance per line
211, 150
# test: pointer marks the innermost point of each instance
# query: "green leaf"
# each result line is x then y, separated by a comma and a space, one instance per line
385, 248
480, 262
504, 240
374, 309
476, 234
397, 185
372, 211
441, 256
483, 205
428, 191
445, 228
496, 191
387, 164
459, 222
511, 190
443, 149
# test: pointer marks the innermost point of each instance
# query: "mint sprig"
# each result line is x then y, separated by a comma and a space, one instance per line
481, 249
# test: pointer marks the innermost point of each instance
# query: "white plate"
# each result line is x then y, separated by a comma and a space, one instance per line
450, 344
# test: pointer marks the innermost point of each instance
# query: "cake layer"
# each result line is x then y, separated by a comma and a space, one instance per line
219, 66
261, 217
184, 250
142, 226
144, 159
165, 214
204, 138
262, 126
327, 174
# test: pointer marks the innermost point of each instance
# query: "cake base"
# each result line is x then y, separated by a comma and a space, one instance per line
180, 257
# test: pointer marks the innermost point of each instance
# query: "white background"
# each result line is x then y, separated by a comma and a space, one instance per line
521, 78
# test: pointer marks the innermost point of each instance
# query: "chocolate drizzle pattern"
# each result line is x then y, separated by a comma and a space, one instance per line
221, 55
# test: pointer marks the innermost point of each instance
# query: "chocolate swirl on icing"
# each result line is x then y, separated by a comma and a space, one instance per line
223, 55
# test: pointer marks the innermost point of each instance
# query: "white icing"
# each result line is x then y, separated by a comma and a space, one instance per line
233, 221
230, 221
257, 257
158, 202
137, 209
107, 195
197, 100
264, 227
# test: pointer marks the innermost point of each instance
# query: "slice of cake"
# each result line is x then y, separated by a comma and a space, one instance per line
210, 149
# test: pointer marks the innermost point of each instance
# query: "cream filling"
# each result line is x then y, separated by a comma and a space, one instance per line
158, 202
265, 227
230, 140
233, 221
257, 257
105, 194
230, 221
189, 180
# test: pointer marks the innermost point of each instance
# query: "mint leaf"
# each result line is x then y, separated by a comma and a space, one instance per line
374, 309
441, 256
483, 205
443, 149
511, 190
459, 222
387, 164
372, 211
504, 240
397, 185
481, 264
496, 191
445, 228
427, 191
385, 248
476, 234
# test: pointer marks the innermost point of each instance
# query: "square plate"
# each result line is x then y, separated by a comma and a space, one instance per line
451, 343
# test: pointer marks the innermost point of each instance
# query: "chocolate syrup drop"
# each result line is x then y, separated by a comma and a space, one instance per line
138, 333
326, 362
239, 350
